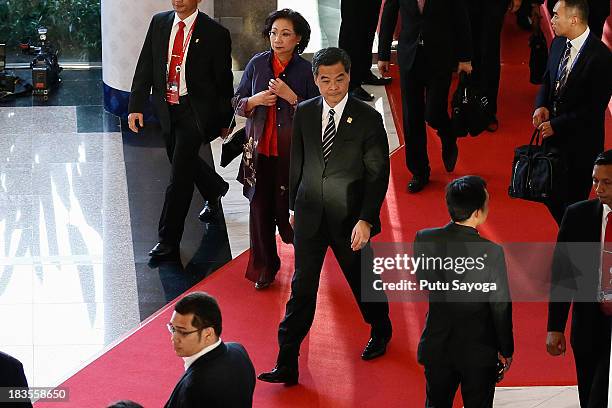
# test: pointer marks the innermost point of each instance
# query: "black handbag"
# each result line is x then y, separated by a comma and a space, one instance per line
470, 109
537, 173
233, 145
538, 56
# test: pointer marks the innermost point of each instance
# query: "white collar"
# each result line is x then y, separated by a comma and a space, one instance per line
191, 359
339, 108
578, 42
188, 21
606, 210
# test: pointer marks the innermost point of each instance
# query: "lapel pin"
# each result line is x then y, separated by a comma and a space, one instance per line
197, 40
349, 120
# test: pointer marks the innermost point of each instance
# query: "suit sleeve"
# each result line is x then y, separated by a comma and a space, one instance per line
387, 27
562, 283
376, 178
501, 305
143, 75
222, 70
600, 83
297, 159
462, 31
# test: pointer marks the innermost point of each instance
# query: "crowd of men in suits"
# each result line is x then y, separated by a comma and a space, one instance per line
339, 175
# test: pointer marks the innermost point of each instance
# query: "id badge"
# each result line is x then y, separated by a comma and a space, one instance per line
172, 93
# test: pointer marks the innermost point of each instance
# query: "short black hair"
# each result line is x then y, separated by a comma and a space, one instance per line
464, 196
125, 404
330, 56
205, 309
300, 26
581, 7
604, 158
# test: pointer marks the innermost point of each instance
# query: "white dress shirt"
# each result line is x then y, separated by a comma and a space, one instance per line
338, 109
577, 44
191, 359
188, 24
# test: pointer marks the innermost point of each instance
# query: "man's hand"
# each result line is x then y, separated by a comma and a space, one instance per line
292, 220
134, 118
360, 235
546, 129
465, 67
506, 361
540, 115
555, 343
514, 6
281, 89
383, 67
225, 132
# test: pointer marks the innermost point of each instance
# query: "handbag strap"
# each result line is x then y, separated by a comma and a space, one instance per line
536, 137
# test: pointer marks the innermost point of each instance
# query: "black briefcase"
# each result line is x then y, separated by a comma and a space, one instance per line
537, 173
538, 56
470, 109
233, 147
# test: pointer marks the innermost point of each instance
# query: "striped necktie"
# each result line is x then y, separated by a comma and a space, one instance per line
564, 68
328, 135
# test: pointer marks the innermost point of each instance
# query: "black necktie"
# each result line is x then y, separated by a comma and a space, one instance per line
328, 135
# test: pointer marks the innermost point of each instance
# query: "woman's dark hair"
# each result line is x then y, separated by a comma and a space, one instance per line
464, 196
205, 309
330, 56
300, 26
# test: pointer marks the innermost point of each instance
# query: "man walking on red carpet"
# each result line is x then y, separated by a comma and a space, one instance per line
468, 337
339, 176
581, 276
217, 374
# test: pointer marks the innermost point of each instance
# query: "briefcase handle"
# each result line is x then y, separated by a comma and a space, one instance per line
536, 137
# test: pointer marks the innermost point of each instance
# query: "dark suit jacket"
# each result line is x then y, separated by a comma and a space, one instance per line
575, 277
467, 329
12, 375
223, 377
579, 125
444, 28
208, 72
354, 183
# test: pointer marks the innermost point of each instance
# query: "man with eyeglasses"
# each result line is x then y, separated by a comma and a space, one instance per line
217, 374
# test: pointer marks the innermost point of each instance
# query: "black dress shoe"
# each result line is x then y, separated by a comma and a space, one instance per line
493, 126
372, 79
362, 94
262, 285
162, 249
281, 374
450, 152
417, 183
376, 347
210, 210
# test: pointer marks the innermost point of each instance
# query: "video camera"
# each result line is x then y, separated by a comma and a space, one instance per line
45, 67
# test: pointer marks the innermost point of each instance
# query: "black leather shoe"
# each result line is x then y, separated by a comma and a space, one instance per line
210, 210
372, 79
362, 94
450, 152
281, 374
262, 285
376, 347
162, 249
493, 126
417, 183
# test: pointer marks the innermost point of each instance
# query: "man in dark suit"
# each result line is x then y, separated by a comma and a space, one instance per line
465, 334
435, 36
12, 376
357, 29
487, 20
573, 98
186, 61
578, 278
338, 180
217, 374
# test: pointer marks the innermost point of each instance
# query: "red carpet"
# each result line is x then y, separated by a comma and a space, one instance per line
144, 368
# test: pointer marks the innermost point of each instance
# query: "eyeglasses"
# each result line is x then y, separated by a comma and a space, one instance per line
284, 34
174, 330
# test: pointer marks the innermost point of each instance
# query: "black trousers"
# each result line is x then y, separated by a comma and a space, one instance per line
183, 147
424, 98
487, 19
269, 209
477, 386
357, 29
300, 309
592, 372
